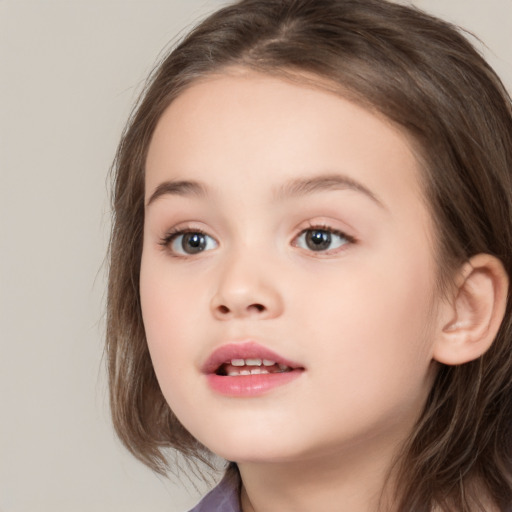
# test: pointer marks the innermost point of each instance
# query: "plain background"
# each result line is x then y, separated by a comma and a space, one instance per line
70, 71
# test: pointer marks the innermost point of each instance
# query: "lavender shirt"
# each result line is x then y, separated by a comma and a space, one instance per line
223, 498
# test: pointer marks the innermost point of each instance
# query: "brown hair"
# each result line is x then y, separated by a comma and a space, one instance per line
422, 74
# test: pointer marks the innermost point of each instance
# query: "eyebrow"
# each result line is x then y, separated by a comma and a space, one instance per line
303, 186
294, 188
178, 188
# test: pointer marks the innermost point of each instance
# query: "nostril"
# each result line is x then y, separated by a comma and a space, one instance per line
240, 310
258, 307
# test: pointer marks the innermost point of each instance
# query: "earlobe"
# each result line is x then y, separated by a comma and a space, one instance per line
472, 317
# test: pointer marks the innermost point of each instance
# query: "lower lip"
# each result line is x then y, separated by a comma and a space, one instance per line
250, 385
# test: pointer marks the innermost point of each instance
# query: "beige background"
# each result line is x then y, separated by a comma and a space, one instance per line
70, 70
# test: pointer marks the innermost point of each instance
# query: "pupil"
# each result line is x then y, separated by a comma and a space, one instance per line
193, 242
318, 240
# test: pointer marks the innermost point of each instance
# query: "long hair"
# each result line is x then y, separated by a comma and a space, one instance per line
424, 76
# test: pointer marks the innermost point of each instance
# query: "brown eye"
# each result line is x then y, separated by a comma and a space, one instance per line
191, 242
317, 240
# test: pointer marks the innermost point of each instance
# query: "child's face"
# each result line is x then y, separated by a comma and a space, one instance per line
305, 235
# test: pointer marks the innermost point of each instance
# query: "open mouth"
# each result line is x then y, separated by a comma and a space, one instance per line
248, 369
253, 366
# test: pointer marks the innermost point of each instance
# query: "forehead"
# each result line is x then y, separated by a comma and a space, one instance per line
237, 127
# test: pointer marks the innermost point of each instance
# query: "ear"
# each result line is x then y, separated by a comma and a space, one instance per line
470, 319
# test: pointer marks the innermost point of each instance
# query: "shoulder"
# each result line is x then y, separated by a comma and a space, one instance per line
223, 498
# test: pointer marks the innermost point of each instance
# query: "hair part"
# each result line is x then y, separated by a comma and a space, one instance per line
425, 77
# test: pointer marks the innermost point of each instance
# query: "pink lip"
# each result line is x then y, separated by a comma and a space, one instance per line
247, 385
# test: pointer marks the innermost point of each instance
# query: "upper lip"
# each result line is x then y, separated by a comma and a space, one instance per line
243, 350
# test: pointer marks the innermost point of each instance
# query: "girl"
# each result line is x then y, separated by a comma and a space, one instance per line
309, 262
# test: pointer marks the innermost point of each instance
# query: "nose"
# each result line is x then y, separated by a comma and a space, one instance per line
247, 289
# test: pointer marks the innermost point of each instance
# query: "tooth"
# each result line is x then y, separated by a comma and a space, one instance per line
259, 371
253, 362
245, 372
233, 374
268, 362
237, 362
283, 367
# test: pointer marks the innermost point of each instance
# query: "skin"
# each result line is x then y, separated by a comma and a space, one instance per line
361, 318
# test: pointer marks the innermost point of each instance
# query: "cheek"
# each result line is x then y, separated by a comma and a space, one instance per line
373, 320
167, 297
167, 315
169, 322
377, 357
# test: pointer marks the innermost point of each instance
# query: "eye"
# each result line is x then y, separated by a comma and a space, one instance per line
322, 239
189, 242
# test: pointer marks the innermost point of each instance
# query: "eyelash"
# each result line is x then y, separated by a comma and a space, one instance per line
173, 234
327, 229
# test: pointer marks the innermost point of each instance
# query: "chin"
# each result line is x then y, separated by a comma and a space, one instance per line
251, 448
243, 445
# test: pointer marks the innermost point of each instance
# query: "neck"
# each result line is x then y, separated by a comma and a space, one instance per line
355, 480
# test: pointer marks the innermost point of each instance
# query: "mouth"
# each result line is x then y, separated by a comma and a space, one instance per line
237, 367
248, 369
